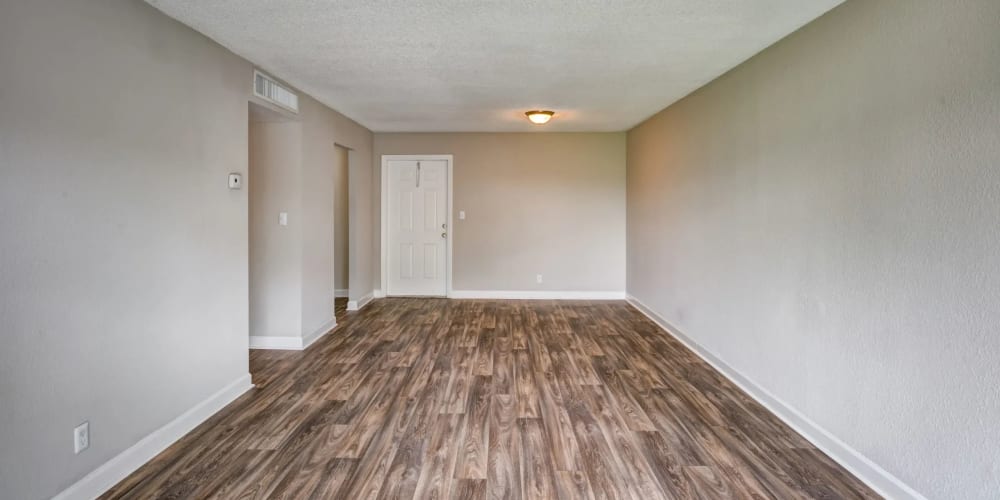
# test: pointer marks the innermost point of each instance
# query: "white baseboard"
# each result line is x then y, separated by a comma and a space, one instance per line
341, 293
111, 472
869, 472
291, 343
356, 305
280, 343
536, 294
378, 294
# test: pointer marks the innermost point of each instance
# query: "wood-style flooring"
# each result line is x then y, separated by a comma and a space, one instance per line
437, 398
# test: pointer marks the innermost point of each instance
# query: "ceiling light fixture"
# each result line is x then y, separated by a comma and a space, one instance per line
539, 117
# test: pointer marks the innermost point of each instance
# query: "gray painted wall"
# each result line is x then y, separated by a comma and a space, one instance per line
123, 262
823, 218
124, 272
536, 203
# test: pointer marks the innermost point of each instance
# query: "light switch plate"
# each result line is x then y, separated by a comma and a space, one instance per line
235, 181
461, 215
283, 218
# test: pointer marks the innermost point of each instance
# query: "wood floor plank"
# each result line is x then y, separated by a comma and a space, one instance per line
437, 479
504, 458
622, 440
607, 479
463, 362
524, 383
536, 468
470, 489
572, 485
334, 478
500, 399
564, 451
706, 483
401, 480
665, 464
373, 419
472, 459
503, 363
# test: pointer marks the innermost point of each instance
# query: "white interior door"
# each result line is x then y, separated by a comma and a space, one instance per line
417, 227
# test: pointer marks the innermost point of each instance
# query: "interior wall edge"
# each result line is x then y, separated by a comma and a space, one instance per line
357, 305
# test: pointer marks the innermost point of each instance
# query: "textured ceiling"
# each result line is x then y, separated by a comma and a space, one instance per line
454, 65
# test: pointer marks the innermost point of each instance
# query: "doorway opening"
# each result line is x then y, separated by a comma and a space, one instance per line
341, 224
274, 144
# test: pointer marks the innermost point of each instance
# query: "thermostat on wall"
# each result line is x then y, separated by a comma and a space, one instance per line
235, 181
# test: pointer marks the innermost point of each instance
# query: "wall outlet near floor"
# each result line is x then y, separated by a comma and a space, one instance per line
538, 278
81, 437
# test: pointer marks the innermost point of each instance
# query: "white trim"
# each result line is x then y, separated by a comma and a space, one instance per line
356, 305
378, 294
869, 472
292, 343
341, 293
280, 343
383, 265
536, 294
111, 472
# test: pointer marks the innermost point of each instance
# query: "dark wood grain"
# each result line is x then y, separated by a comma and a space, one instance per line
436, 398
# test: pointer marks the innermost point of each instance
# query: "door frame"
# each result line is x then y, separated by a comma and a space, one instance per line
384, 261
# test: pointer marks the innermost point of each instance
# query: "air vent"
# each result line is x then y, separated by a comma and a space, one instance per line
271, 91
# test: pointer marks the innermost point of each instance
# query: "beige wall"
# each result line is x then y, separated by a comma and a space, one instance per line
123, 261
341, 214
543, 203
823, 219
275, 251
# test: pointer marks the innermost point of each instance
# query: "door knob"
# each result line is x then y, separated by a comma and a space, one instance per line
444, 235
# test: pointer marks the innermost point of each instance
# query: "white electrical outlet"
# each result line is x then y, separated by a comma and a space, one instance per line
81, 437
283, 218
538, 278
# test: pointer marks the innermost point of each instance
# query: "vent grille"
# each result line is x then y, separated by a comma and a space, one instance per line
271, 91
